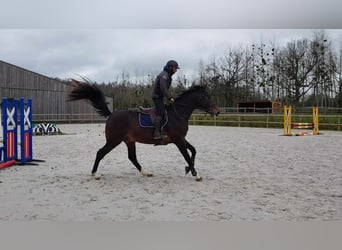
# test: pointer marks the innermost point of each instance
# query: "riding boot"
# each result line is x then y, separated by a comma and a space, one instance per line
157, 134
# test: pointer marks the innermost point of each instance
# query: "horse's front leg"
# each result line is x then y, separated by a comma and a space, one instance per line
193, 151
182, 145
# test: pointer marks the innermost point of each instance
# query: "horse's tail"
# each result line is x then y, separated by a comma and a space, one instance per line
91, 93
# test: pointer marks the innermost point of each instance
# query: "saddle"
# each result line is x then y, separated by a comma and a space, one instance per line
147, 117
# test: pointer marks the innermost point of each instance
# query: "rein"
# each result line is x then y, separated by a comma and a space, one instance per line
175, 110
182, 104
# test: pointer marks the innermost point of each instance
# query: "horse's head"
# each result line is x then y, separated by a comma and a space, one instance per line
201, 100
205, 103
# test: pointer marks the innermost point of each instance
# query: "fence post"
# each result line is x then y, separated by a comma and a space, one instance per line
25, 130
10, 128
287, 120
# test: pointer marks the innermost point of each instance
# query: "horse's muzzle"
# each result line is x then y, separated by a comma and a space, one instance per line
214, 111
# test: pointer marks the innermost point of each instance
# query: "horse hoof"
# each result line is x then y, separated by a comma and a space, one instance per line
96, 177
199, 178
144, 173
148, 174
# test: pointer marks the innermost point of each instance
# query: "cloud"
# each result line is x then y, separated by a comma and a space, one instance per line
104, 54
103, 38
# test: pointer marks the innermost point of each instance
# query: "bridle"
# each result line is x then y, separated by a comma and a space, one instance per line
185, 105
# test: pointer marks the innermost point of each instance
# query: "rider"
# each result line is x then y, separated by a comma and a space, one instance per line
161, 90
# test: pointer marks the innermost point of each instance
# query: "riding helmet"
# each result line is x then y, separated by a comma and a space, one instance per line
172, 63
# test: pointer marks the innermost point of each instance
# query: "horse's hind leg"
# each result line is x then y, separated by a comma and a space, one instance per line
102, 152
133, 158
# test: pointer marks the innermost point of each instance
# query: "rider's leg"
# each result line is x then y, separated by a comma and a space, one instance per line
157, 132
160, 110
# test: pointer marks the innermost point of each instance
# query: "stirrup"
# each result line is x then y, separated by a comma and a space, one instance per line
159, 137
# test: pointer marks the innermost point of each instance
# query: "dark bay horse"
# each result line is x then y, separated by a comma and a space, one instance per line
123, 126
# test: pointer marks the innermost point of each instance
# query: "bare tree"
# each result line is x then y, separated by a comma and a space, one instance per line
296, 63
325, 70
338, 78
232, 68
263, 70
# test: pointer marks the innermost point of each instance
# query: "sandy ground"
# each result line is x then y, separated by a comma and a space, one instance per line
248, 174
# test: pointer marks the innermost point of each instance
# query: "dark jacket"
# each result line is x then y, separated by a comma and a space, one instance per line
162, 85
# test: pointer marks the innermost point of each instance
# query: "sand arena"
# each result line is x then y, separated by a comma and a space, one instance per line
248, 174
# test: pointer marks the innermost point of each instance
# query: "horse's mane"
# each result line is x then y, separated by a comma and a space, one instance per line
194, 88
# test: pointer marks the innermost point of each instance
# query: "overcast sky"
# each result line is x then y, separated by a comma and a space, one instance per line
101, 39
104, 54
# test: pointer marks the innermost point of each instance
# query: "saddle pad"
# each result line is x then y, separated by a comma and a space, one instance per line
145, 121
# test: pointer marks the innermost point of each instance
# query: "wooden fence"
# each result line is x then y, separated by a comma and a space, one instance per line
326, 122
